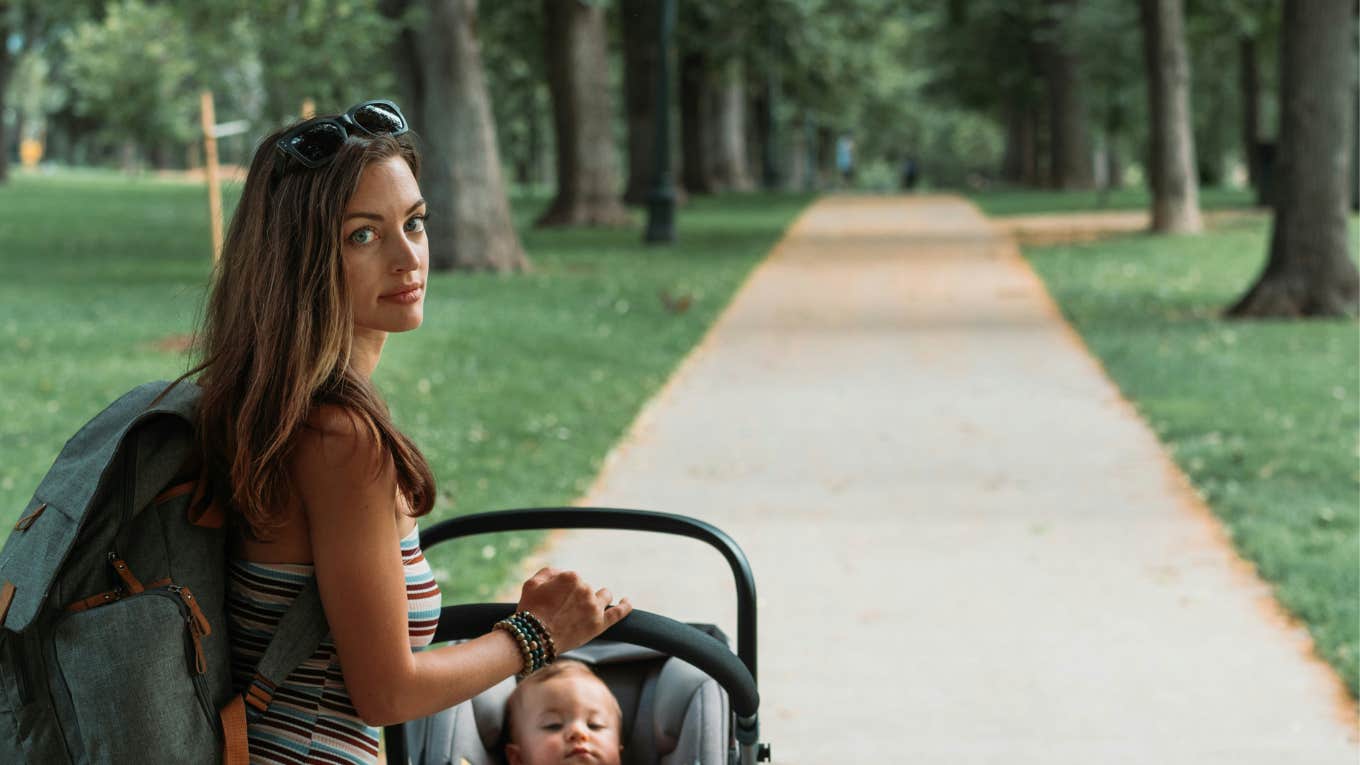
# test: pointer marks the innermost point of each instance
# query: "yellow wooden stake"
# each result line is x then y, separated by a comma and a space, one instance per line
210, 155
308, 108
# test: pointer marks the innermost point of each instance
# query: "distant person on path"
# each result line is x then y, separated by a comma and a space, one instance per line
845, 159
909, 173
563, 714
325, 257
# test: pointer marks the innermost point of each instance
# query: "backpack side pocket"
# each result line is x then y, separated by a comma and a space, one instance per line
132, 671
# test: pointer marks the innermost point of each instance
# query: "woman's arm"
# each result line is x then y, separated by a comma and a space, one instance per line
347, 484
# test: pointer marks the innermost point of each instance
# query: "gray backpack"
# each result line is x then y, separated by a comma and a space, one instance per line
113, 647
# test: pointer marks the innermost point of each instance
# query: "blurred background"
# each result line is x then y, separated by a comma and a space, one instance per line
604, 174
800, 94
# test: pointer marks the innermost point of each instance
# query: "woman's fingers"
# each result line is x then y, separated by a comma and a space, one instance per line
614, 615
572, 610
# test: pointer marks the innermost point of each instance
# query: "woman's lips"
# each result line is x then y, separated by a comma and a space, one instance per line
411, 294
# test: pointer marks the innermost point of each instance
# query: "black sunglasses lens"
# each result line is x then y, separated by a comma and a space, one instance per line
379, 119
318, 142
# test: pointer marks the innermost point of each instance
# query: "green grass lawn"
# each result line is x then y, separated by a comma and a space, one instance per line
1263, 416
1031, 202
515, 387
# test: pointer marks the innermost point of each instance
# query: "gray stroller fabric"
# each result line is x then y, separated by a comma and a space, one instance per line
673, 713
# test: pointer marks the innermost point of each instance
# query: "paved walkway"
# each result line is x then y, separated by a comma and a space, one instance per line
968, 548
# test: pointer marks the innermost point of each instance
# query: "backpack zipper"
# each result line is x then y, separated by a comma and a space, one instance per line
196, 624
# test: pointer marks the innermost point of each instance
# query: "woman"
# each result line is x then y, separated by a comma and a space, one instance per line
325, 257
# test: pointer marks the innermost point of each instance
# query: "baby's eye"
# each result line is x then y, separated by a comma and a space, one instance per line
416, 224
357, 236
598, 726
551, 726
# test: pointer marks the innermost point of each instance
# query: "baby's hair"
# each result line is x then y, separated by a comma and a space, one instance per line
556, 669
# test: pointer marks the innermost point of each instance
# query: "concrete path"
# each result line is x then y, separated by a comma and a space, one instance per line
968, 548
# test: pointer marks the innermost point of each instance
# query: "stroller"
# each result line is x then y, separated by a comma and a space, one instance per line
686, 698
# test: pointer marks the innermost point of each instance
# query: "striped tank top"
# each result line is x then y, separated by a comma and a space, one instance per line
312, 719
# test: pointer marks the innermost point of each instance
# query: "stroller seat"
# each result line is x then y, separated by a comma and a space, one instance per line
673, 713
686, 698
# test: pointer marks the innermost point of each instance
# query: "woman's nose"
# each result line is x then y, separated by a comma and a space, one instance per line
408, 255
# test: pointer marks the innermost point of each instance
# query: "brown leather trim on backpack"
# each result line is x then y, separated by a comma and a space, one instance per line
259, 693
6, 597
104, 598
130, 581
178, 490
201, 512
28, 520
236, 745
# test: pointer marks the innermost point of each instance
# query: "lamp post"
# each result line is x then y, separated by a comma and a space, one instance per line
661, 199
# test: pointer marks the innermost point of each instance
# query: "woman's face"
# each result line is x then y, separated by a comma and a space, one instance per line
382, 243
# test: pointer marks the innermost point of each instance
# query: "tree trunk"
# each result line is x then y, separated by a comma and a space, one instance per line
1309, 271
1019, 154
1070, 146
1175, 197
694, 100
440, 64
1355, 150
802, 157
6, 66
583, 113
1212, 138
729, 156
824, 158
764, 89
1250, 82
640, 21
1114, 167
712, 136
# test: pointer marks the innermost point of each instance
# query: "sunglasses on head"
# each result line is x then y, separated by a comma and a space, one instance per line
317, 141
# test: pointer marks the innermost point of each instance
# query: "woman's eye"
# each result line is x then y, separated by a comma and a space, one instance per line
416, 224
358, 237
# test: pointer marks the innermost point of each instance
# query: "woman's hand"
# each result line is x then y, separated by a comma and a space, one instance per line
571, 611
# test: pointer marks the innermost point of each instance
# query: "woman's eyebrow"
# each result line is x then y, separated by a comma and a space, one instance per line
375, 216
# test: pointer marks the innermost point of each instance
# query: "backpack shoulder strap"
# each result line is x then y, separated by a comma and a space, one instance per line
300, 631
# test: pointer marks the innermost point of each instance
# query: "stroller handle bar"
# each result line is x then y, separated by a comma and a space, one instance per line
626, 520
642, 628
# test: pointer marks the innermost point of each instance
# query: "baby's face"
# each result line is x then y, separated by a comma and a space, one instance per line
568, 719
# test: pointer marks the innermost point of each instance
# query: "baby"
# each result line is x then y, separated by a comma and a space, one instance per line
563, 713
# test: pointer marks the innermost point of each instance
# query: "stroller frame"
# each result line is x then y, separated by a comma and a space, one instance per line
736, 674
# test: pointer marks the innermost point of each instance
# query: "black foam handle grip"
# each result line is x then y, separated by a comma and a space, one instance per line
649, 630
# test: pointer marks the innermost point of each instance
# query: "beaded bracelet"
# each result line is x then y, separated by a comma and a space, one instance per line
544, 636
535, 644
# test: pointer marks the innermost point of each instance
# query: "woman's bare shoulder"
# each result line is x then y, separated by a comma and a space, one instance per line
334, 437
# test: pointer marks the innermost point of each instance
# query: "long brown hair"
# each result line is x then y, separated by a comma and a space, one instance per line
277, 333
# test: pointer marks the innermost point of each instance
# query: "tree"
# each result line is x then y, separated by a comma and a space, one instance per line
438, 59
139, 89
1070, 144
1175, 195
583, 113
696, 96
7, 16
727, 155
511, 36
1309, 271
639, 21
